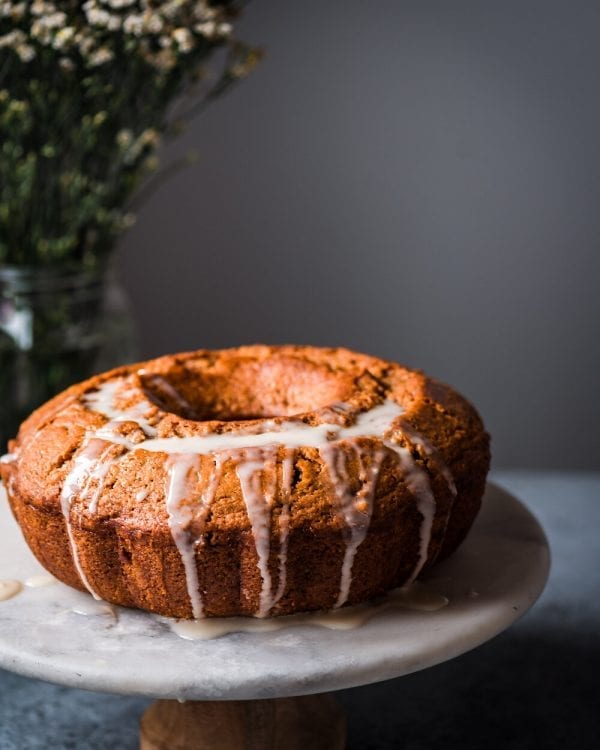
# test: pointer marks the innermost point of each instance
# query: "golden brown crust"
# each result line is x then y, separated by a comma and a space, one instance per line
126, 548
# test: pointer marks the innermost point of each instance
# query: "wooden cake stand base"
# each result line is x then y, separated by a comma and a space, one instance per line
314, 722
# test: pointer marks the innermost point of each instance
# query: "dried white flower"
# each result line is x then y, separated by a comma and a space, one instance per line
13, 39
40, 8
203, 11
171, 8
124, 138
134, 24
164, 60
96, 16
224, 29
213, 30
207, 29
153, 23
149, 137
26, 52
40, 32
100, 56
99, 118
118, 4
63, 37
183, 39
85, 43
15, 11
114, 22
53, 20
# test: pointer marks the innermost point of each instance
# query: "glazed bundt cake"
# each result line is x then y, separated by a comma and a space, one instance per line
252, 481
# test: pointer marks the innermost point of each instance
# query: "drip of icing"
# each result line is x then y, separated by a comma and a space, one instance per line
39, 581
102, 401
180, 517
98, 475
418, 484
141, 495
9, 588
84, 466
256, 469
417, 597
356, 509
8, 458
429, 449
89, 608
214, 627
258, 480
287, 471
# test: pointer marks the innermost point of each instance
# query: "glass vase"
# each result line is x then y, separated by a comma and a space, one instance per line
57, 327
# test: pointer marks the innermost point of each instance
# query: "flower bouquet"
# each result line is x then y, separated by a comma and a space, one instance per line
87, 92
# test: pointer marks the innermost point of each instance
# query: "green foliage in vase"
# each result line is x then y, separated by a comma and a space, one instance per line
87, 92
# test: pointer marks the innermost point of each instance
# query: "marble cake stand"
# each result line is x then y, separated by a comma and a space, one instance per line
264, 689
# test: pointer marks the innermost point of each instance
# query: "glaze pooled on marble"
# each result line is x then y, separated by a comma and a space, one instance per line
9, 587
417, 597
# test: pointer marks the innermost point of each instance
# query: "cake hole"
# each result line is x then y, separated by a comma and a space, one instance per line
245, 389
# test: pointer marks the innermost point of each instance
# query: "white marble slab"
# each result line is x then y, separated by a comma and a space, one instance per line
491, 581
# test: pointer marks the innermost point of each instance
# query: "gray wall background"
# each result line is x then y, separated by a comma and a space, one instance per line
418, 180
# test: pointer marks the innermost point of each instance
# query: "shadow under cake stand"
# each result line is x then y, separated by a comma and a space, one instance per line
266, 689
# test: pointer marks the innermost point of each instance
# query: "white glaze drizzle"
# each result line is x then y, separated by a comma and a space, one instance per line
94, 608
417, 482
430, 450
102, 401
289, 433
258, 481
252, 448
84, 465
356, 509
179, 466
9, 588
98, 475
287, 473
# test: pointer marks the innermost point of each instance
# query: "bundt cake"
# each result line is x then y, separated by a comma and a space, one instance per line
261, 480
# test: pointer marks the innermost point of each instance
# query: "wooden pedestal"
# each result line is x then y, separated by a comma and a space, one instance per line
311, 722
